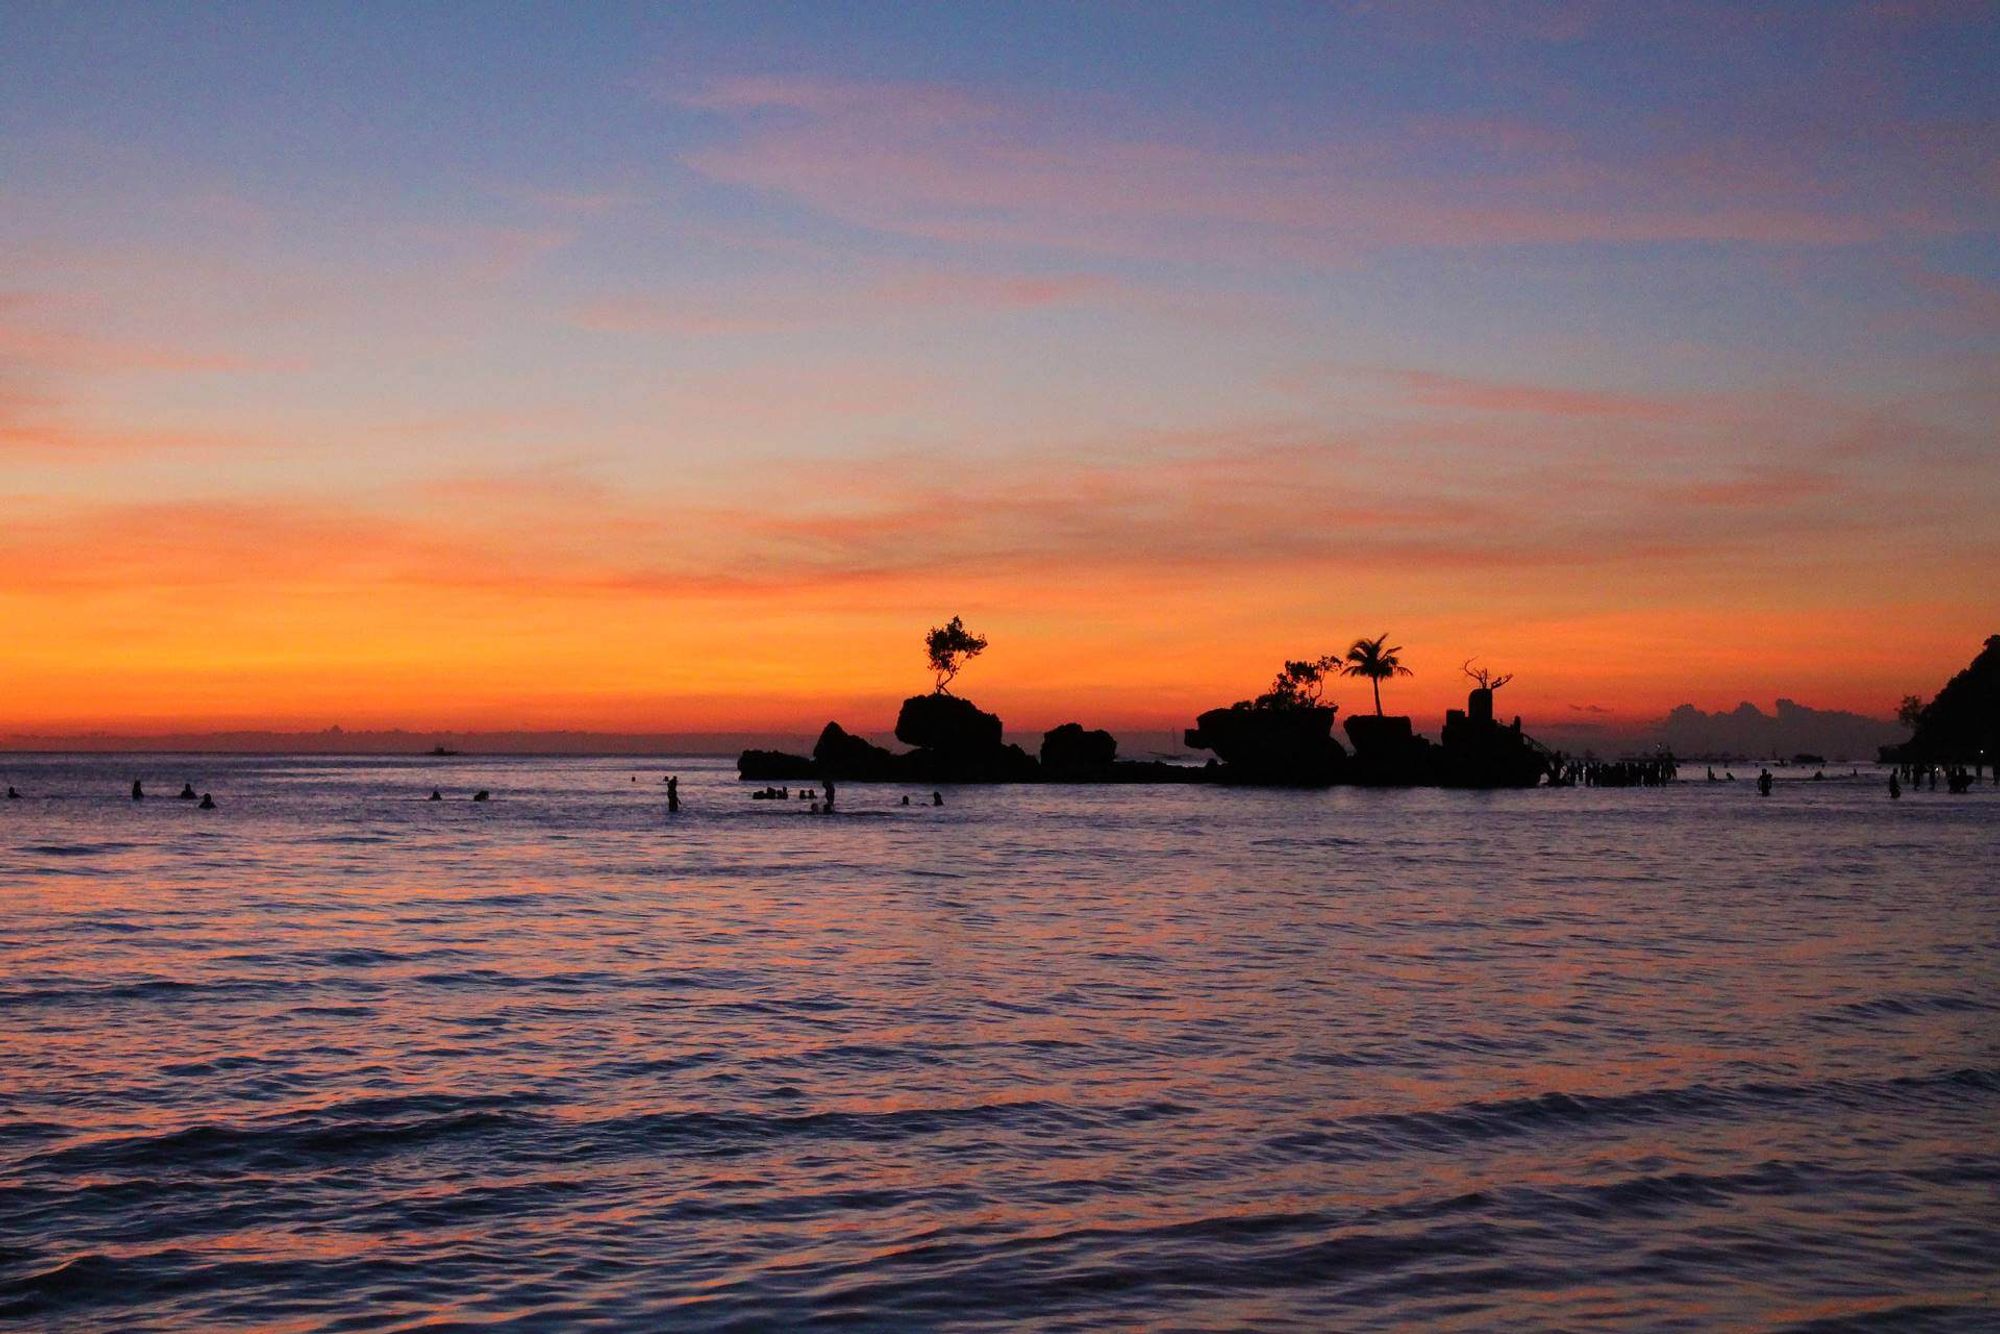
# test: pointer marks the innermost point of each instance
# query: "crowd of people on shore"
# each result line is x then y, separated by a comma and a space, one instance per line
1957, 778
1651, 772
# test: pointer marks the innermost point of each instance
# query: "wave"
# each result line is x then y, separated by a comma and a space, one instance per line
362, 1128
1906, 1007
156, 989
73, 849
357, 1128
1372, 1134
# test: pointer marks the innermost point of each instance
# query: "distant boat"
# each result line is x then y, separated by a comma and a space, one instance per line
442, 750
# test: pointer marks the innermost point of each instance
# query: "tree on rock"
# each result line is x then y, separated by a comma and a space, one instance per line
1482, 677
1298, 685
1376, 660
949, 647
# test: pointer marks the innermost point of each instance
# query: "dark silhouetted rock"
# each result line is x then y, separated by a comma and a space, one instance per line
1071, 754
840, 754
1388, 753
958, 742
989, 764
1962, 725
1292, 746
775, 765
946, 723
1479, 752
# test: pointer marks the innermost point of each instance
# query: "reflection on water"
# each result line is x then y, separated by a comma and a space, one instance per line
1079, 1058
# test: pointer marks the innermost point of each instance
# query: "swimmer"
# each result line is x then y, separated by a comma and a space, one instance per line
207, 803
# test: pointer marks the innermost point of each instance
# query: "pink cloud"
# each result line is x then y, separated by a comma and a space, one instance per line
923, 161
1432, 389
40, 334
909, 293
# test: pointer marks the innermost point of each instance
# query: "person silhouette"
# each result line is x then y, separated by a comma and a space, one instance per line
937, 798
906, 797
480, 795
12, 795
187, 792
827, 785
207, 803
673, 795
435, 795
1895, 788
1764, 783
138, 792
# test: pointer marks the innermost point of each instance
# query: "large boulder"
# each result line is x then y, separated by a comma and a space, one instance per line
770, 766
1272, 745
1070, 753
989, 764
1387, 753
1479, 752
841, 754
958, 742
947, 724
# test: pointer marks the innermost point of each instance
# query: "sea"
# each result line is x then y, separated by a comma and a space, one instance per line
332, 1056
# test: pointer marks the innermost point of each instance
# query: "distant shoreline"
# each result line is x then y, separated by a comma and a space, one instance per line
252, 752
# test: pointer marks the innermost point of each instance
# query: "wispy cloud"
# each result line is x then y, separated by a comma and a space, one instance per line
942, 164
892, 294
1437, 390
39, 334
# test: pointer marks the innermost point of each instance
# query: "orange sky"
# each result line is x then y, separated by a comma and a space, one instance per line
658, 379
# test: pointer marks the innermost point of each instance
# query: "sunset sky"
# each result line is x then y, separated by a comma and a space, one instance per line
673, 368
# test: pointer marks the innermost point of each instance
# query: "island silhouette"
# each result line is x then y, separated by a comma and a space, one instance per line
1282, 737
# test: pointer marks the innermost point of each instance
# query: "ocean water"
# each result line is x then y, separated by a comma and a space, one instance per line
332, 1057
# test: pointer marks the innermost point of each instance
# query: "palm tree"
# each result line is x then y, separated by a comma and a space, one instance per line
1369, 658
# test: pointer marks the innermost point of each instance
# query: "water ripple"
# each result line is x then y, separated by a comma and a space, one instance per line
1065, 1058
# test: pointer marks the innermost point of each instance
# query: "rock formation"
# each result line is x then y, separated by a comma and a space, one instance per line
1480, 752
1071, 754
1962, 725
1291, 746
840, 754
1388, 752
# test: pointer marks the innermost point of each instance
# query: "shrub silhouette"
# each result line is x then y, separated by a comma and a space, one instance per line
948, 648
